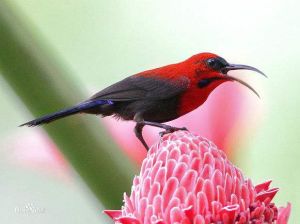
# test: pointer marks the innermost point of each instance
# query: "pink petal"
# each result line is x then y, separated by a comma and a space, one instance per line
114, 214
188, 181
263, 186
176, 215
199, 220
174, 202
158, 204
221, 196
202, 203
180, 170
169, 190
170, 167
191, 202
161, 176
155, 189
228, 213
267, 194
206, 172
209, 191
217, 178
180, 193
284, 214
128, 220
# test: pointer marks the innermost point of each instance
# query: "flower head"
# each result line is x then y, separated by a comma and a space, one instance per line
186, 179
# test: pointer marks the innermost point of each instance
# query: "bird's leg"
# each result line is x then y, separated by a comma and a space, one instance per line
171, 130
138, 130
168, 128
140, 123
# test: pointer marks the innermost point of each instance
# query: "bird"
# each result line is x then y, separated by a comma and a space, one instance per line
158, 95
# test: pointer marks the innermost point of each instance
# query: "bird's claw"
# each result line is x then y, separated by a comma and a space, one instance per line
171, 130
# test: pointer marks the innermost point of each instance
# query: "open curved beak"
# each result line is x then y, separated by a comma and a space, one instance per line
230, 67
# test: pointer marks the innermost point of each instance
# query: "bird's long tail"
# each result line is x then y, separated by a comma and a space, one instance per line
81, 107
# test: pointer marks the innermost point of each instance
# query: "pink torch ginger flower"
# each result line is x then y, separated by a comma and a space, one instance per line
186, 179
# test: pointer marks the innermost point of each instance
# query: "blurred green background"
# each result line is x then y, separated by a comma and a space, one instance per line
101, 42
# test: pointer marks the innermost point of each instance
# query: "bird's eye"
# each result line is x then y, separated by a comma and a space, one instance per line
211, 62
216, 63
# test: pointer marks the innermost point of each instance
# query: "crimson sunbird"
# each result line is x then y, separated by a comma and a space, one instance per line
158, 95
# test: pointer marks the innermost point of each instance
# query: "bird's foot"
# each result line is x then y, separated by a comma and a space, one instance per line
171, 130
